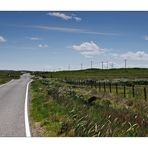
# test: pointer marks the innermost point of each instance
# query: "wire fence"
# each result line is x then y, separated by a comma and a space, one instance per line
126, 90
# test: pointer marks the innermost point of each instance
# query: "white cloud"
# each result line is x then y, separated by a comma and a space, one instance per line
98, 33
2, 39
64, 16
88, 49
60, 15
139, 55
146, 38
73, 30
53, 28
77, 18
34, 38
43, 46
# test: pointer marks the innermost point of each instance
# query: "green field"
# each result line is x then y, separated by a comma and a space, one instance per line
62, 109
6, 76
129, 73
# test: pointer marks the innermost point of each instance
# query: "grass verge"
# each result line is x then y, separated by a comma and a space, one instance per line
59, 109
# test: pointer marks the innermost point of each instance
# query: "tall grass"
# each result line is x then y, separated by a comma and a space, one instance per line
63, 110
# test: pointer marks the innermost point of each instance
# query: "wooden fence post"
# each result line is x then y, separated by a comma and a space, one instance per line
145, 95
104, 87
124, 91
95, 83
133, 90
99, 86
117, 89
91, 83
110, 87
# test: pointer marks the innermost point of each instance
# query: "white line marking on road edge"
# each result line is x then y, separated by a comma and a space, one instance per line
6, 83
27, 127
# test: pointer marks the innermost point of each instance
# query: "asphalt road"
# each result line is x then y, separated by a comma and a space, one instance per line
12, 103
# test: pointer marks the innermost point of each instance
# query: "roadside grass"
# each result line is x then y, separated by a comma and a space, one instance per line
60, 109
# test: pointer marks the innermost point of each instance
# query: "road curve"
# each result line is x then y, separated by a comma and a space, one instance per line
12, 104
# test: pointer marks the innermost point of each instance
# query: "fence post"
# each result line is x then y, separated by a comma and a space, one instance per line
85, 82
51, 75
104, 87
110, 87
95, 83
117, 89
124, 91
145, 95
99, 86
91, 83
133, 90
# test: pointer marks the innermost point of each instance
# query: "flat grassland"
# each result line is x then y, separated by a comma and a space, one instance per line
129, 73
6, 76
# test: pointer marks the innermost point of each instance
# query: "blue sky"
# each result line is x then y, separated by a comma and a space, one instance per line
54, 40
